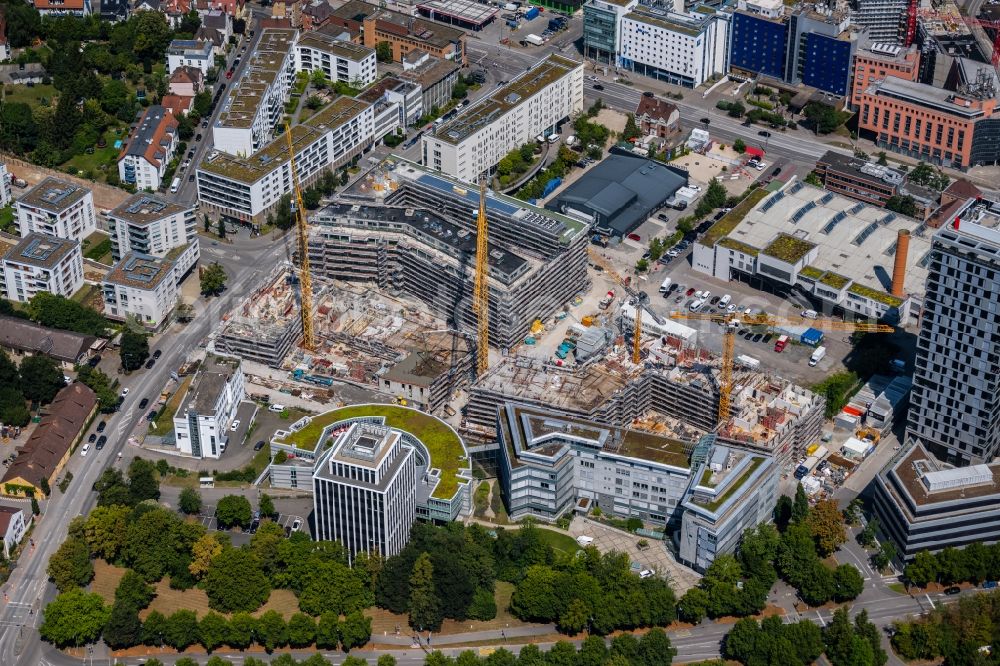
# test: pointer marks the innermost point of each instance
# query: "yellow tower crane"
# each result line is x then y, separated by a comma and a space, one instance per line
732, 322
305, 278
481, 288
641, 300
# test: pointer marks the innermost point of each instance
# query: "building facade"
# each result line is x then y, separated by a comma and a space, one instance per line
685, 49
13, 525
364, 490
534, 103
149, 224
873, 61
57, 208
338, 60
142, 287
5, 181
201, 425
190, 53
884, 19
41, 263
436, 78
954, 410
149, 149
601, 28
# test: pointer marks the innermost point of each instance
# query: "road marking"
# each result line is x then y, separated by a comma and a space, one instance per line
930, 601
821, 620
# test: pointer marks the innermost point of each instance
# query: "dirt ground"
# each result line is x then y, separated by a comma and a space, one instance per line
613, 120
703, 169
105, 196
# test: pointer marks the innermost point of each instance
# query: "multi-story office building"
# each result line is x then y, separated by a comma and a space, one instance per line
873, 61
884, 19
534, 103
684, 49
57, 208
601, 28
436, 77
201, 425
364, 490
190, 53
149, 224
858, 178
955, 403
924, 505
731, 491
395, 104
759, 42
371, 24
338, 60
149, 148
248, 188
956, 126
42, 263
142, 287
255, 104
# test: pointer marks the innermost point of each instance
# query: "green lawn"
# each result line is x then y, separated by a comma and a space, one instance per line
7, 219
445, 447
100, 161
897, 587
97, 246
165, 418
32, 95
559, 541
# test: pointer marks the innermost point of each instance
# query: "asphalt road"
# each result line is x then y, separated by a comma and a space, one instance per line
28, 588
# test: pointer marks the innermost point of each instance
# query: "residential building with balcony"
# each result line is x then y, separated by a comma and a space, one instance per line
57, 208
348, 62
140, 287
42, 263
190, 53
149, 149
149, 224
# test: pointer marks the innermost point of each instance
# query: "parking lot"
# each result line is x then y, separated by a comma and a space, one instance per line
287, 521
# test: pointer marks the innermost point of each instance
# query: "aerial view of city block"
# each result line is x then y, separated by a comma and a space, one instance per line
497, 333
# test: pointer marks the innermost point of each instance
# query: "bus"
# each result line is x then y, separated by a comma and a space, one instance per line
174, 186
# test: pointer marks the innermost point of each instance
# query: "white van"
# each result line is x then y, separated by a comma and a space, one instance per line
810, 314
174, 186
817, 356
584, 541
724, 301
696, 305
276, 408
665, 285
553, 138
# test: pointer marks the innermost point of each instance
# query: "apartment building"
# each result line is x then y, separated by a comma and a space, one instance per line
255, 104
248, 188
534, 103
42, 263
5, 191
57, 208
201, 424
874, 61
190, 53
372, 24
149, 224
956, 126
149, 148
436, 77
883, 19
364, 490
395, 104
351, 63
142, 287
954, 411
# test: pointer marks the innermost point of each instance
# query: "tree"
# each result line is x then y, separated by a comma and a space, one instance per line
142, 482
242, 627
133, 591
693, 606
70, 565
383, 52
314, 102
153, 628
847, 582
221, 228
882, 161
213, 630
236, 582
800, 505
41, 378
123, 628
112, 489
267, 509
739, 146
134, 349
213, 279
655, 649
823, 117
100, 383
328, 631
271, 630
826, 522
812, 178
185, 127
234, 511
887, 553
74, 618
631, 129
301, 630
715, 195
425, 607
904, 204
355, 630
181, 629
204, 550
922, 570
202, 105
207, 223
575, 618
104, 531
65, 314
35, 508
190, 501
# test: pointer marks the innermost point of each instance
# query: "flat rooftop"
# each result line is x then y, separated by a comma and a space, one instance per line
856, 241
684, 24
463, 10
435, 34
503, 99
140, 271
928, 482
446, 449
862, 169
321, 41
41, 251
244, 98
939, 99
203, 395
54, 195
143, 208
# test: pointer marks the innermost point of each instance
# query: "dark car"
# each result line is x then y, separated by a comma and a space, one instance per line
715, 300
662, 216
101, 426
598, 86
703, 227
776, 171
757, 337
767, 338
679, 299
118, 404
94, 360
143, 403
191, 178
101, 441
157, 354
150, 363
258, 446
198, 137
954, 589
764, 133
191, 154
92, 438
151, 416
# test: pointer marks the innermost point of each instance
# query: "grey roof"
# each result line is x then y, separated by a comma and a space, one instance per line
145, 132
621, 191
26, 336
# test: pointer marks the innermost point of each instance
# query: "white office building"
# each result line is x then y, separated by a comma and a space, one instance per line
190, 53
364, 490
149, 149
42, 263
255, 104
201, 425
57, 208
339, 60
142, 287
248, 188
5, 178
13, 525
684, 49
149, 224
534, 103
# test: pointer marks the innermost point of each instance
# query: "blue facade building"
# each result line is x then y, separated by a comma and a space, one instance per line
825, 63
759, 45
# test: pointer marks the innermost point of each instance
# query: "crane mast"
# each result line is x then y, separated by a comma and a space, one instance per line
305, 278
481, 288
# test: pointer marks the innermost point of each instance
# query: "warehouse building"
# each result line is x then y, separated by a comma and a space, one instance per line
405, 228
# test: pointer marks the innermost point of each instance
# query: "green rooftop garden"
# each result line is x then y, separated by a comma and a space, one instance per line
447, 452
706, 478
788, 248
731, 220
834, 280
734, 486
731, 243
875, 295
811, 272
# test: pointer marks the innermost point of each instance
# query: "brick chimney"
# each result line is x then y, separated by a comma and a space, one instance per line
899, 266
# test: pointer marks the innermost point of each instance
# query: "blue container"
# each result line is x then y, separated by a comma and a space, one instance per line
531, 14
811, 337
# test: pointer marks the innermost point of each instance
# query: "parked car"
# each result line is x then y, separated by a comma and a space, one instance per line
259, 445
689, 291
954, 589
634, 237
198, 137
101, 426
100, 443
124, 391
94, 360
235, 425
757, 337
150, 363
151, 416
297, 524
92, 438
143, 403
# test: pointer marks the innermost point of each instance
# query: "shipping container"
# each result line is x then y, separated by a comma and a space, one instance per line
531, 14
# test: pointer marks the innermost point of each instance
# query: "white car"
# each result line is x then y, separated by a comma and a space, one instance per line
645, 573
591, 78
748, 312
673, 253
297, 524
124, 392
85, 450
236, 424
731, 308
705, 295
67, 379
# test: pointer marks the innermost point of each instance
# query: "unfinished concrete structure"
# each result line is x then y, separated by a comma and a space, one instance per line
439, 364
405, 229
